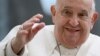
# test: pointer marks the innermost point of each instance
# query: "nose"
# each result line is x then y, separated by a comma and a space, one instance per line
74, 22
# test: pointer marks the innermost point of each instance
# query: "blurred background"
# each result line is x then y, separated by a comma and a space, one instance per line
15, 12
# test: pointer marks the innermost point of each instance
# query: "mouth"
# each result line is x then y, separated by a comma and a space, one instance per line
73, 30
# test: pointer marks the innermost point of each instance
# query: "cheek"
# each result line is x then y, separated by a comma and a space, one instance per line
60, 20
59, 24
85, 25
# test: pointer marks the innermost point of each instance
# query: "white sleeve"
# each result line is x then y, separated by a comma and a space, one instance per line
9, 51
11, 34
5, 45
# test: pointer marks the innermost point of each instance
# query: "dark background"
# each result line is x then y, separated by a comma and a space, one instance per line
14, 12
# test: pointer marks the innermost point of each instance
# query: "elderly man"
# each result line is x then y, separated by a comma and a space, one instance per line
69, 36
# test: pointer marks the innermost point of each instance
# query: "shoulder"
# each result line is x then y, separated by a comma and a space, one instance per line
49, 28
95, 45
92, 40
93, 36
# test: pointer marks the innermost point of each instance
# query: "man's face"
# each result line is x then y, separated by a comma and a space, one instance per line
73, 21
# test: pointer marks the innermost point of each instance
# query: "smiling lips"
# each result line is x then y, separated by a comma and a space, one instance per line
73, 30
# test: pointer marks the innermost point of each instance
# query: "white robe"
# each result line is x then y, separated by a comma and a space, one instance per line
44, 43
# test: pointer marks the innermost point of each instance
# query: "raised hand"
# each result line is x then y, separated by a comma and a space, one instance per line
26, 32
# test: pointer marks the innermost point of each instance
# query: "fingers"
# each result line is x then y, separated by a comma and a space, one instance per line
26, 27
36, 28
26, 31
28, 24
22, 33
36, 18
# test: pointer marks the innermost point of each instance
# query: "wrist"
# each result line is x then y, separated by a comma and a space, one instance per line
16, 46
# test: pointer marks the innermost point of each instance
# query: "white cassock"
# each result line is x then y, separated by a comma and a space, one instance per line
44, 44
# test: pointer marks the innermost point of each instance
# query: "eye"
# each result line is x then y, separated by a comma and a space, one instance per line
83, 15
67, 13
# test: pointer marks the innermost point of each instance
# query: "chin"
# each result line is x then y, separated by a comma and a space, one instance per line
71, 46
70, 43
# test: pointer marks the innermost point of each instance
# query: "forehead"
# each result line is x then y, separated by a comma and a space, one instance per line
83, 4
76, 1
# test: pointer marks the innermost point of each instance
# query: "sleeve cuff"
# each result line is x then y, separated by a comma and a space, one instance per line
10, 52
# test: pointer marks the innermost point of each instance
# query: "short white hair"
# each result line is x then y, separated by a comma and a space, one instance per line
93, 4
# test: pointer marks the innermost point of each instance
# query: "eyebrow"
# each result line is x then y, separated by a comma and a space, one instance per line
84, 11
68, 7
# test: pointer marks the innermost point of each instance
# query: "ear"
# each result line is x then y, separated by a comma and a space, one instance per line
94, 19
53, 12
